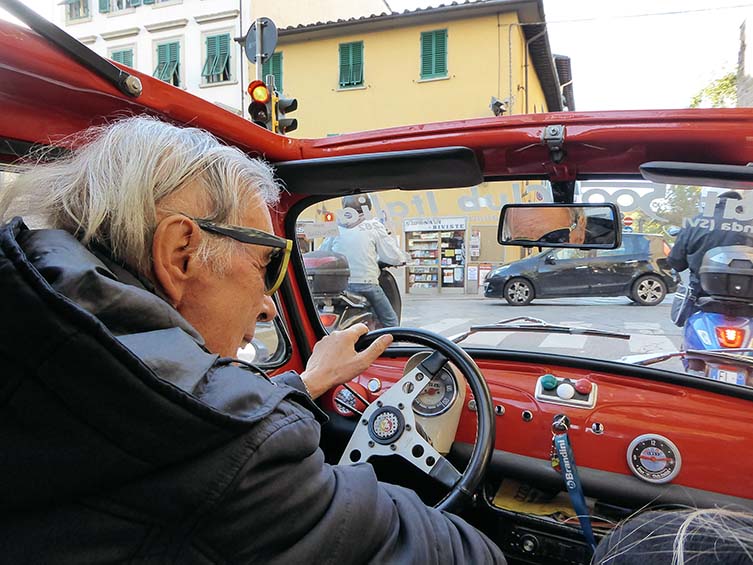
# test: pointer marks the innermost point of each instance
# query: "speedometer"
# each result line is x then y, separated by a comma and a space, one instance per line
438, 396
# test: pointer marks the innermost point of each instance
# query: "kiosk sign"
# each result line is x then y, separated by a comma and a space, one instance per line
434, 224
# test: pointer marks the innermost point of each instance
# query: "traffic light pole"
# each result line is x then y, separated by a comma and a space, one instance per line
259, 50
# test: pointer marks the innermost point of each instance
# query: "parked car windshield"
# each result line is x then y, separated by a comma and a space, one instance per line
451, 274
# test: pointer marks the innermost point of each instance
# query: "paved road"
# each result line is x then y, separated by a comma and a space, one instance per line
650, 328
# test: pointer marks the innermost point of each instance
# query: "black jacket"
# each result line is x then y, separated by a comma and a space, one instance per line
123, 440
696, 238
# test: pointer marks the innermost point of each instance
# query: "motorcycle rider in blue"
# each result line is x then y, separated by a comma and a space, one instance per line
698, 236
707, 320
365, 242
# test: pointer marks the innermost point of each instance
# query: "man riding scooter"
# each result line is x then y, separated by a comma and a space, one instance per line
697, 237
366, 243
717, 311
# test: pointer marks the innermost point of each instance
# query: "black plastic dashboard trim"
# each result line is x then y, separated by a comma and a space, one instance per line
603, 484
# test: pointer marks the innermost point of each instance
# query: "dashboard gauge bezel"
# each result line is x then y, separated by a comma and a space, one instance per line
430, 413
669, 448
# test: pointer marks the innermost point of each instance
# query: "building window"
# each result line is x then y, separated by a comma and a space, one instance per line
168, 63
123, 56
76, 10
351, 64
216, 59
118, 5
273, 66
434, 54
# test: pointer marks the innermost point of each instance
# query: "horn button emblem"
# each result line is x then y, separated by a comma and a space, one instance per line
386, 425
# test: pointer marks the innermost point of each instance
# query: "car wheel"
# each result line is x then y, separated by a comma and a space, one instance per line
518, 292
649, 291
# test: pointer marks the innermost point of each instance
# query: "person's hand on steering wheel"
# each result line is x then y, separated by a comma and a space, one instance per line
335, 360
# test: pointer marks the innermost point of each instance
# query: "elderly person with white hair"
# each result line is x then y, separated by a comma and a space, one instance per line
128, 431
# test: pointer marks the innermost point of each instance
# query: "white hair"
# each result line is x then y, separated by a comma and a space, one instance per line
109, 188
710, 535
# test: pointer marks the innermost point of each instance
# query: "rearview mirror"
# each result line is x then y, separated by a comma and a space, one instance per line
582, 226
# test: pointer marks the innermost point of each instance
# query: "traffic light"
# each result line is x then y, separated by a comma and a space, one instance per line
260, 109
284, 106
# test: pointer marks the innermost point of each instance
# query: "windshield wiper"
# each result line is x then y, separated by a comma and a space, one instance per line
724, 354
527, 324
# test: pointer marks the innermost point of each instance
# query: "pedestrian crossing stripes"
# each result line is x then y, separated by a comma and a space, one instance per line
645, 338
445, 326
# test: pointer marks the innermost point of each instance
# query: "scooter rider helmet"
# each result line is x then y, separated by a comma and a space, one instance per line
357, 202
721, 202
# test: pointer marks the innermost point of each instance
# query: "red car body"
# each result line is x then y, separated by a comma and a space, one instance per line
45, 96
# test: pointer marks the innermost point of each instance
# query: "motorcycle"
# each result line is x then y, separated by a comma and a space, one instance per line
722, 320
327, 274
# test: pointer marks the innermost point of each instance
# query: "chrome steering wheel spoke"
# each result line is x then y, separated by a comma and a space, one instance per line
388, 427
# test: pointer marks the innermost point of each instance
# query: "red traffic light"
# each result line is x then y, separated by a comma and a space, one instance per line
259, 92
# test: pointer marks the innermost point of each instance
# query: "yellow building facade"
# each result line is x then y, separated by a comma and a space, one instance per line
429, 65
487, 54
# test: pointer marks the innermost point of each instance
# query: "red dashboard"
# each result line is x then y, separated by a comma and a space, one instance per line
710, 430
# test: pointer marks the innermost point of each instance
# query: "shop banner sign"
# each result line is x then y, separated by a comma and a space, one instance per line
434, 224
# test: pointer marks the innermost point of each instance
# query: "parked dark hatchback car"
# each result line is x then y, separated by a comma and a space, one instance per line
637, 269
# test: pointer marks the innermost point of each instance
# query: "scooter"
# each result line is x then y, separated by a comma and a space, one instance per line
327, 274
723, 319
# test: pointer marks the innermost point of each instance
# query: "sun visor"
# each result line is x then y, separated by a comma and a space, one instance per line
699, 174
444, 167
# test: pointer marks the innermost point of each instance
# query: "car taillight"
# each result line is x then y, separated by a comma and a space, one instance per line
328, 319
730, 337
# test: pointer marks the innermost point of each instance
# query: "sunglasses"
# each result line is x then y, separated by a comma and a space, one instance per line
558, 236
278, 258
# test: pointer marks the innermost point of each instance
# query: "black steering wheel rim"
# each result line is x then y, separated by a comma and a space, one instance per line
462, 493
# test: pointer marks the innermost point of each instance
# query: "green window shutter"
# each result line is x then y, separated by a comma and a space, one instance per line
440, 52
174, 66
217, 64
427, 59
273, 66
277, 70
345, 68
222, 66
434, 53
148, 1
351, 64
104, 6
211, 58
356, 58
159, 70
124, 56
168, 63
173, 52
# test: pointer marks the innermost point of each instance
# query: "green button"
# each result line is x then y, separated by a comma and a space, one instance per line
548, 382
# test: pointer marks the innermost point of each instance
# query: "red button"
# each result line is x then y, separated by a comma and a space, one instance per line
583, 386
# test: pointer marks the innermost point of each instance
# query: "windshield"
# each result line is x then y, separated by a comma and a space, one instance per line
449, 275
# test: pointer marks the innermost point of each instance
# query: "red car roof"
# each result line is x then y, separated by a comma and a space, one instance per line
45, 96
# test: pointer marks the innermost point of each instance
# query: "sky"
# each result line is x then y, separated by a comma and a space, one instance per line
642, 54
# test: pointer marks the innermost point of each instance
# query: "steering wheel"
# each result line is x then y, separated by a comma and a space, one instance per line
388, 425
